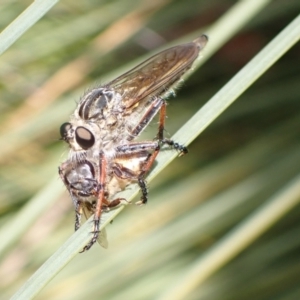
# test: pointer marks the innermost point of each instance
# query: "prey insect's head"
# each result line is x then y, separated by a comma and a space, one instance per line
79, 138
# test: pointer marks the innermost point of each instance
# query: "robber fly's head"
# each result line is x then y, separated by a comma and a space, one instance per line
78, 137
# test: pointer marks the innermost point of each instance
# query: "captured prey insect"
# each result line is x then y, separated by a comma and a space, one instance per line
104, 158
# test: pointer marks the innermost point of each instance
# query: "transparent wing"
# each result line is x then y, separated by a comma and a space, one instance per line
102, 238
158, 73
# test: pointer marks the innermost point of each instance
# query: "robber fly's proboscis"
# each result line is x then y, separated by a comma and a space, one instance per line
104, 157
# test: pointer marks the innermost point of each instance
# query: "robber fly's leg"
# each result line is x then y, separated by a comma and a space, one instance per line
162, 121
145, 169
125, 173
180, 148
135, 149
147, 150
157, 105
100, 200
76, 202
161, 127
78, 214
153, 109
143, 186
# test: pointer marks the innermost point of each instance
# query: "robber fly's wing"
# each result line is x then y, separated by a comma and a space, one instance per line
102, 238
157, 74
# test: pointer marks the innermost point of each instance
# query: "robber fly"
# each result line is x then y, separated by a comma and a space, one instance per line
104, 158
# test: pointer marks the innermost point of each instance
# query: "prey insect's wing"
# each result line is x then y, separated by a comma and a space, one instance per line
102, 238
157, 74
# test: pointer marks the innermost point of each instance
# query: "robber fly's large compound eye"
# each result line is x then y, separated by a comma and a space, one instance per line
84, 138
64, 128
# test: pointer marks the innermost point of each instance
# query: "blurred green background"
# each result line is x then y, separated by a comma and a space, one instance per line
245, 157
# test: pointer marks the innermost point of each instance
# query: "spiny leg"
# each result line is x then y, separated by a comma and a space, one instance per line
100, 200
137, 150
151, 112
77, 203
161, 127
160, 105
133, 149
141, 178
78, 214
143, 186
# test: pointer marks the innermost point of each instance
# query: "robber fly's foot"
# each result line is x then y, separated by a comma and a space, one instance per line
91, 243
180, 148
94, 238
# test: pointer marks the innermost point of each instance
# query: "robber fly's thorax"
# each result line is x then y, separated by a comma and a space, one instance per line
97, 124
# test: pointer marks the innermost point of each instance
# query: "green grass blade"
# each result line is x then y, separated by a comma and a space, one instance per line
23, 22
